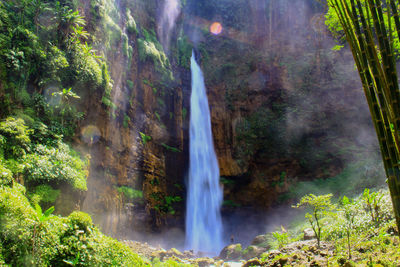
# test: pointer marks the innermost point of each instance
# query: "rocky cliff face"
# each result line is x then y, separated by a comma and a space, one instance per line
282, 101
282, 105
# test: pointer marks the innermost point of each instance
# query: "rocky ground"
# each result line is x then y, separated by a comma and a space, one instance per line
300, 253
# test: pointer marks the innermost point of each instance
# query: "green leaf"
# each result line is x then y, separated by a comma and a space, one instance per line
49, 211
39, 211
337, 47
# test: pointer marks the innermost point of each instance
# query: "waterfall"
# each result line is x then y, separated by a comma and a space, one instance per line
204, 199
166, 23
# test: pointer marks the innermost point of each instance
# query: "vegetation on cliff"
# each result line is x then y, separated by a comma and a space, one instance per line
46, 63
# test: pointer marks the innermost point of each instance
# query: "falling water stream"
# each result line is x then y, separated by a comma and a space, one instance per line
203, 218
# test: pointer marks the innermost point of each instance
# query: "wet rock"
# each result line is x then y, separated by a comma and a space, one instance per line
164, 254
253, 262
253, 252
175, 252
261, 241
284, 260
273, 253
231, 252
142, 249
308, 234
204, 262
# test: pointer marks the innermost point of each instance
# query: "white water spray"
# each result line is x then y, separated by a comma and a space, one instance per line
203, 218
169, 14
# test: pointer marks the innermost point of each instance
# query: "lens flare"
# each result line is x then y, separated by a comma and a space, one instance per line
216, 28
90, 134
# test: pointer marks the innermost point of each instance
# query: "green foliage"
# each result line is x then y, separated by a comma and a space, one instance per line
351, 181
347, 206
85, 68
33, 238
282, 237
226, 181
130, 23
6, 177
37, 57
14, 138
150, 49
66, 110
184, 52
145, 138
334, 25
372, 201
184, 113
126, 121
230, 203
130, 193
170, 148
319, 206
157, 116
43, 194
56, 165
130, 84
262, 132
165, 203
43, 216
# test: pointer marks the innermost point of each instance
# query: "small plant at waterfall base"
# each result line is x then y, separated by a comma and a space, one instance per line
319, 207
282, 237
372, 201
145, 138
347, 206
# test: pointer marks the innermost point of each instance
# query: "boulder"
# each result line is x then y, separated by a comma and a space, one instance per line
309, 234
253, 262
204, 262
261, 241
231, 252
253, 252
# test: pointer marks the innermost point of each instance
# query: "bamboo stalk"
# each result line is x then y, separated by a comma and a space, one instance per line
378, 75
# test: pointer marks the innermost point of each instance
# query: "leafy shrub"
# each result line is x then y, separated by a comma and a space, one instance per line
372, 200
5, 175
28, 240
80, 219
184, 52
14, 137
130, 23
145, 138
320, 206
129, 192
282, 237
126, 121
150, 49
43, 135
165, 203
55, 165
84, 68
130, 84
43, 194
